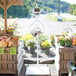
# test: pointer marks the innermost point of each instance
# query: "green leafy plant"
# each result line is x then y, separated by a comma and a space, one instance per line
27, 37
31, 43
68, 42
42, 38
62, 41
46, 44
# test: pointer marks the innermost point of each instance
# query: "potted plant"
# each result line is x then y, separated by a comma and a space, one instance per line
25, 39
31, 45
68, 42
62, 41
45, 45
42, 38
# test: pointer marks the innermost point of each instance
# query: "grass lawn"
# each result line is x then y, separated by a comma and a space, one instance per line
52, 17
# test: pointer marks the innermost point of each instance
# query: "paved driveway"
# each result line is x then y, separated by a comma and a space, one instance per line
49, 27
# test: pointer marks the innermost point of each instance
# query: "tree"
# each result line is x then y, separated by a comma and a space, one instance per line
73, 9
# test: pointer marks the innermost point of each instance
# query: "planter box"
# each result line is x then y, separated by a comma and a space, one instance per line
8, 63
66, 55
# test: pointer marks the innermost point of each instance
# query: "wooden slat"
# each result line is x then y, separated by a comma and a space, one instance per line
10, 67
0, 67
7, 50
7, 72
1, 6
3, 57
1, 2
0, 57
11, 3
66, 56
9, 62
19, 2
4, 66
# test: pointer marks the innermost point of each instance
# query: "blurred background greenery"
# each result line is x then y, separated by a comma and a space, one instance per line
46, 6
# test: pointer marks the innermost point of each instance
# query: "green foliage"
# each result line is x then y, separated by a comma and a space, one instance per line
42, 38
1, 11
73, 9
74, 34
62, 41
68, 42
16, 11
26, 10
52, 17
46, 44
27, 37
31, 43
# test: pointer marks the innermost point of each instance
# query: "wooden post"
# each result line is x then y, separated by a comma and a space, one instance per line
5, 16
